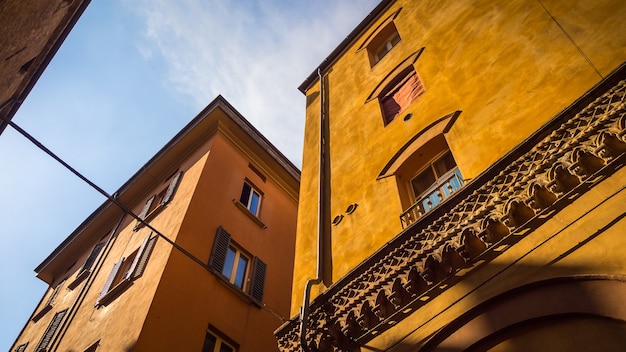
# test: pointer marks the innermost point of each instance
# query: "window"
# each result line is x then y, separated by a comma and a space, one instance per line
235, 266
386, 39
44, 343
245, 272
400, 93
436, 182
250, 198
213, 343
127, 270
86, 268
159, 200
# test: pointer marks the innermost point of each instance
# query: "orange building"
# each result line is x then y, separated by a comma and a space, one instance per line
206, 265
466, 158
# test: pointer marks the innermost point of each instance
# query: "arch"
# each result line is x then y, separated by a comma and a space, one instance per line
391, 76
593, 295
438, 128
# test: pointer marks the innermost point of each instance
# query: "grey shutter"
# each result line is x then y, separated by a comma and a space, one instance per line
146, 207
145, 210
52, 328
109, 282
258, 280
22, 347
92, 257
220, 247
171, 189
141, 259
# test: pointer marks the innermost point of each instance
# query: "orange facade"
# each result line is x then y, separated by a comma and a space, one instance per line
211, 265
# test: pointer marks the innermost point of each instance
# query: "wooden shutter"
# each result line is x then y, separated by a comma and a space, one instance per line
257, 281
92, 257
109, 282
220, 247
141, 259
52, 328
171, 189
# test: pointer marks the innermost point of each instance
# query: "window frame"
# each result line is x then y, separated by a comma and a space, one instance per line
247, 203
218, 342
387, 39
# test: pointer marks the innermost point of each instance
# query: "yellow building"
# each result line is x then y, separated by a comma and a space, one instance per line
472, 191
206, 265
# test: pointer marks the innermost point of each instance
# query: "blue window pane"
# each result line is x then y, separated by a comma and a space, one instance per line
241, 272
228, 264
254, 203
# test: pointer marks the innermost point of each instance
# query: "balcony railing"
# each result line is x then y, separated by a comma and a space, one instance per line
447, 184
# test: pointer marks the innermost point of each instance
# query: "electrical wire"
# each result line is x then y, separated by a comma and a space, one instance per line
112, 198
580, 50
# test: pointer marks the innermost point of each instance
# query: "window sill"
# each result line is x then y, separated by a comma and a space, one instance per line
239, 292
79, 278
114, 293
249, 214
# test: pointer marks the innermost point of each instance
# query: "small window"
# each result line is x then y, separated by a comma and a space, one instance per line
400, 93
127, 270
213, 343
238, 268
159, 200
436, 182
251, 198
383, 42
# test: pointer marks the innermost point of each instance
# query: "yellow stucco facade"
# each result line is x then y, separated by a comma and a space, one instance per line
497, 78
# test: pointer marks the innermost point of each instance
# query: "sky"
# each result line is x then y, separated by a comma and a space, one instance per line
129, 76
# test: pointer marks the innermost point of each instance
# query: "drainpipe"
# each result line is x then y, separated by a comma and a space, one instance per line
324, 273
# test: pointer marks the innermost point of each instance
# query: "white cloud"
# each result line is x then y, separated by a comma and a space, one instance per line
255, 54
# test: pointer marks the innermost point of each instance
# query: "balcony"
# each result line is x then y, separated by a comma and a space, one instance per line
442, 189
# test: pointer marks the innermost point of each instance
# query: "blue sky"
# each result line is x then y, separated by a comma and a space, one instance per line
129, 76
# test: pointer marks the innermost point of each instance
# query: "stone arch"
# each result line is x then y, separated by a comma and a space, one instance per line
597, 295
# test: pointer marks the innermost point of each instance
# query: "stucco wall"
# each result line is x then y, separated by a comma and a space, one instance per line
506, 65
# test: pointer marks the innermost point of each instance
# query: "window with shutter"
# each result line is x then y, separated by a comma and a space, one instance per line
237, 267
92, 257
158, 201
127, 270
50, 330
